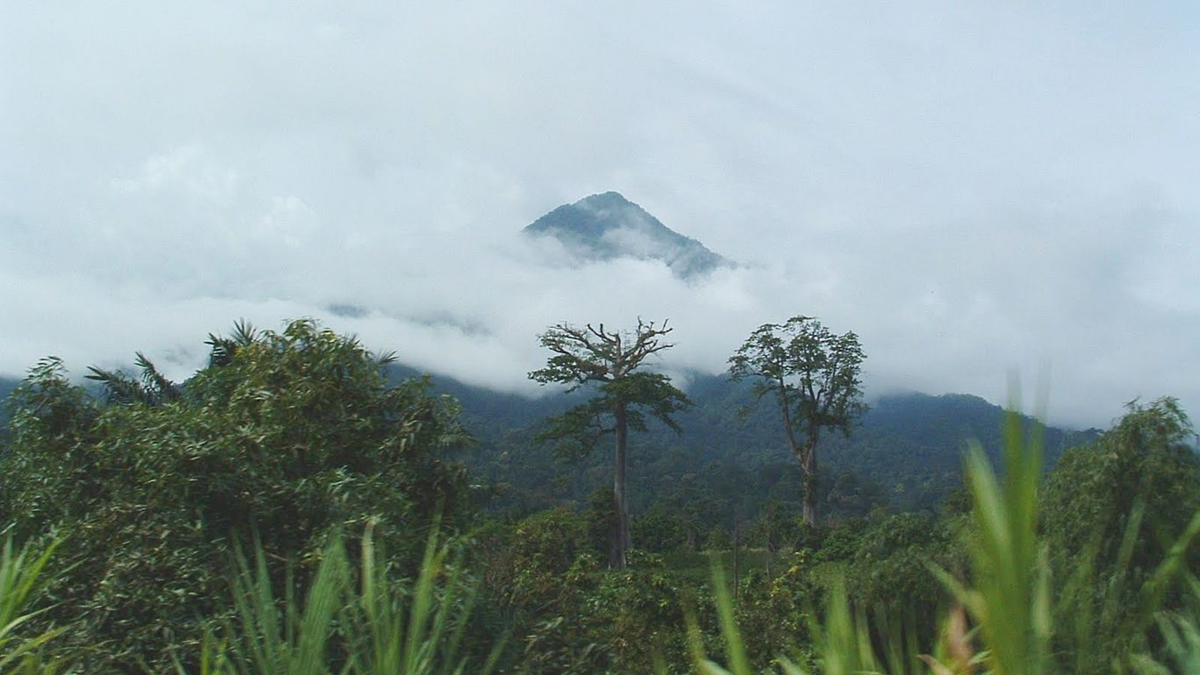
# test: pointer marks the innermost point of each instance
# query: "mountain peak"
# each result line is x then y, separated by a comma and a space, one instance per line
605, 226
606, 200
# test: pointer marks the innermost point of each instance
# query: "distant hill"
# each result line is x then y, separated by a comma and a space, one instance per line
7, 385
907, 452
608, 226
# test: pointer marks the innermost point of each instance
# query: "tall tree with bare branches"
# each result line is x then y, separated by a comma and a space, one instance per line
608, 362
814, 376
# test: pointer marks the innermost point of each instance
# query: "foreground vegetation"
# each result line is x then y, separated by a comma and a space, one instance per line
238, 523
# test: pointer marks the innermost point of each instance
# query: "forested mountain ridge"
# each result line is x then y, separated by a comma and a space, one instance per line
7, 386
905, 453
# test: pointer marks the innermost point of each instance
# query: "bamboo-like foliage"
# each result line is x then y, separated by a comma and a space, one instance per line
21, 580
374, 626
843, 641
425, 640
150, 388
288, 434
1010, 597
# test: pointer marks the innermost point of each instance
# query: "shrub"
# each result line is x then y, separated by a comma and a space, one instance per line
289, 435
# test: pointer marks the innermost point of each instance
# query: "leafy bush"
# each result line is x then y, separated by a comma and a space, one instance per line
774, 612
288, 435
637, 613
889, 570
539, 573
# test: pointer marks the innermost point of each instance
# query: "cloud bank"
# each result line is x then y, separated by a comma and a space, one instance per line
972, 190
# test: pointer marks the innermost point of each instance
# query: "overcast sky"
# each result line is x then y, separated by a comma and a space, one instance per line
972, 189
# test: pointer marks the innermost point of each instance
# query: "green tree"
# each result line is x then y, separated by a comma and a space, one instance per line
1143, 465
814, 376
1112, 512
608, 361
283, 436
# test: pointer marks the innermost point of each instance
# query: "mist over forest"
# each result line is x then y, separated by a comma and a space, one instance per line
800, 338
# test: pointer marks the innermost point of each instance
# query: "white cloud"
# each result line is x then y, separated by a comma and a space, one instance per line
185, 170
971, 189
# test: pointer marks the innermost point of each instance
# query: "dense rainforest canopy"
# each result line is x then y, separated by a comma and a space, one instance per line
295, 487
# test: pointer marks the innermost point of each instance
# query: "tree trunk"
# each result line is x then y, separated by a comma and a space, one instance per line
807, 455
808, 462
736, 546
624, 541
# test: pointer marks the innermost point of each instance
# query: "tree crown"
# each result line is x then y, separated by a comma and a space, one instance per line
813, 372
607, 360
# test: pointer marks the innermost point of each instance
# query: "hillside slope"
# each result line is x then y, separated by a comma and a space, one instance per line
906, 452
